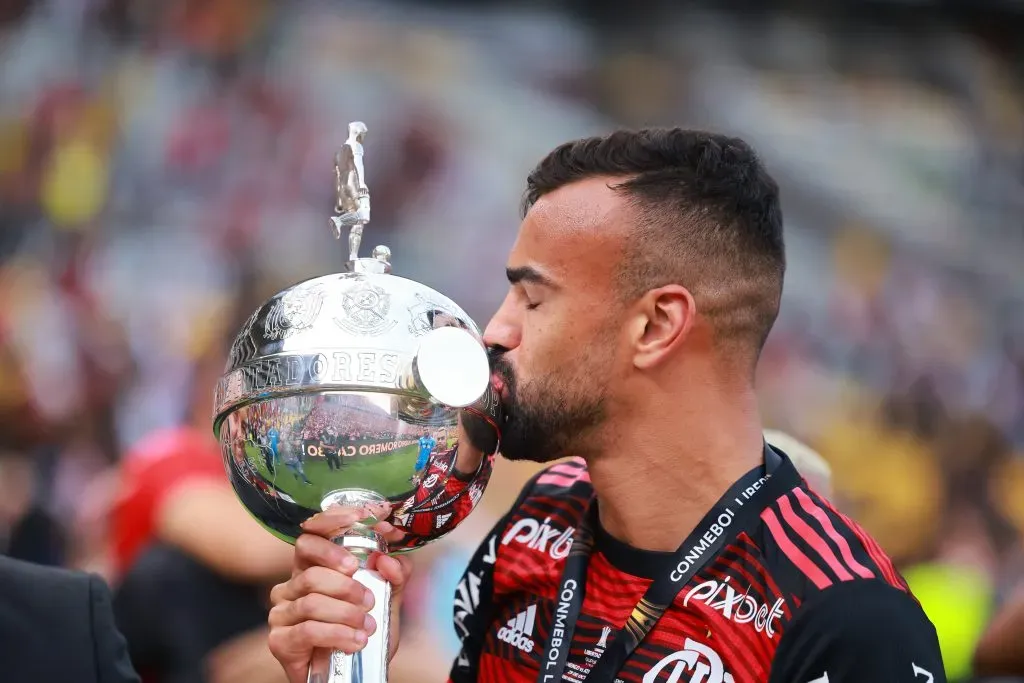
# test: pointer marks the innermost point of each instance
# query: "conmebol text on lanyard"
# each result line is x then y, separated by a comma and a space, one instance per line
735, 512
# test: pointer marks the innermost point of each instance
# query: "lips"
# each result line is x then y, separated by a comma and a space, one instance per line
498, 384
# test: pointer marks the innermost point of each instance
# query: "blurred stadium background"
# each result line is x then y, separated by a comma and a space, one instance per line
165, 165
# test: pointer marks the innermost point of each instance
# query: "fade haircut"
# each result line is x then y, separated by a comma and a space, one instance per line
706, 215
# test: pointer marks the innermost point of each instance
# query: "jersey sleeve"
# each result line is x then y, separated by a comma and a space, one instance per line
153, 471
859, 631
472, 613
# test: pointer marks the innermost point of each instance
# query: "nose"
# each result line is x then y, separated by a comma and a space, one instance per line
504, 329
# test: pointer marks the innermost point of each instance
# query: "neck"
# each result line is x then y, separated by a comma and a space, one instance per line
667, 468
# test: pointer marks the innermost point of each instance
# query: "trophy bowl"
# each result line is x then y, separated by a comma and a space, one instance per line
351, 389
364, 390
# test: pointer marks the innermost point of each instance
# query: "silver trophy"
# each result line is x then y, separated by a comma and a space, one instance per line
360, 389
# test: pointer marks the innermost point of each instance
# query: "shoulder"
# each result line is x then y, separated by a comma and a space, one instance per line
37, 600
44, 610
863, 608
35, 586
48, 609
854, 616
814, 547
563, 488
859, 630
29, 580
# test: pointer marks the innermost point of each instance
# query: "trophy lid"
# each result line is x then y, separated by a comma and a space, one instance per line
360, 330
356, 332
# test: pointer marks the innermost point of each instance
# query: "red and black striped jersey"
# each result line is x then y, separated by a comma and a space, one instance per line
803, 596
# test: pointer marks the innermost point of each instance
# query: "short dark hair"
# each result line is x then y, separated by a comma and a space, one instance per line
708, 217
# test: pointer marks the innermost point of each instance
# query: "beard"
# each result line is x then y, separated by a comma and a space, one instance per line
549, 418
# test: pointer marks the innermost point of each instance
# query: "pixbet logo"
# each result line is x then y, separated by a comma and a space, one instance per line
540, 536
741, 608
700, 662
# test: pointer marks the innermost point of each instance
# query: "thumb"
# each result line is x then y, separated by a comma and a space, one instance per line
396, 570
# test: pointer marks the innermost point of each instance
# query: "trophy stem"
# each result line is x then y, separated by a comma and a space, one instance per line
370, 665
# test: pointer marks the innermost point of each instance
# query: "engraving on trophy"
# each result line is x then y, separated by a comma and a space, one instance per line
295, 311
244, 347
277, 373
366, 308
490, 403
426, 315
339, 663
364, 367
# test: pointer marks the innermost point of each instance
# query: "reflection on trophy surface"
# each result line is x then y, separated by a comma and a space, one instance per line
354, 389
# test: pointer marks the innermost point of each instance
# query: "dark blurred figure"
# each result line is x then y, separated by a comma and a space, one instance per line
12, 11
58, 625
1000, 652
27, 530
193, 568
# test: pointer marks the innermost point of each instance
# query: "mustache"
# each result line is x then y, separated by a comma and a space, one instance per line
495, 353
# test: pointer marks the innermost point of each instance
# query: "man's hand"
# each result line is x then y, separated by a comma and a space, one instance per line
322, 606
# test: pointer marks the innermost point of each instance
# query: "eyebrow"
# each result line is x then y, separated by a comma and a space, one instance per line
528, 274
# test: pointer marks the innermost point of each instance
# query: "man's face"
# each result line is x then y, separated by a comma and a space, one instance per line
555, 336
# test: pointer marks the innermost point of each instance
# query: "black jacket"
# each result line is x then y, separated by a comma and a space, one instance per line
58, 625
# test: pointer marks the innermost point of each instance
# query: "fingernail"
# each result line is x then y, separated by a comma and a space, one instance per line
368, 599
369, 624
350, 562
361, 637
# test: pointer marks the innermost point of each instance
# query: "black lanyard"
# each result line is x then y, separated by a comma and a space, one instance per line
734, 513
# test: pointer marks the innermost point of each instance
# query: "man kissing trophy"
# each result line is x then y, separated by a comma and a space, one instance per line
330, 386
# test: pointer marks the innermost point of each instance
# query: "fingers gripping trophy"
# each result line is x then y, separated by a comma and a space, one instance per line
365, 394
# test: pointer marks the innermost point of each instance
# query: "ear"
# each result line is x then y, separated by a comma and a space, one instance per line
665, 317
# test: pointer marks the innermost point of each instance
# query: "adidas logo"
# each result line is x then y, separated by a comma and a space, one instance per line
518, 632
